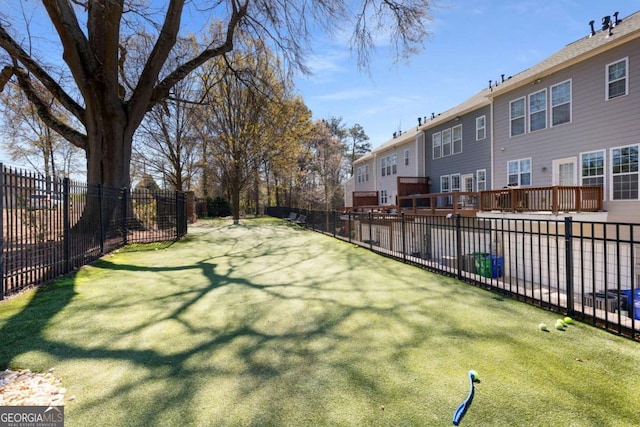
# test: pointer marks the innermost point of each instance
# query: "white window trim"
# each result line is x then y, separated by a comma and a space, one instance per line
570, 102
433, 144
524, 99
520, 172
442, 179
453, 140
528, 111
478, 181
481, 128
611, 193
450, 143
604, 170
406, 157
454, 175
606, 79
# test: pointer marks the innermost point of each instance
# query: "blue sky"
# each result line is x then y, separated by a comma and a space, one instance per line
472, 42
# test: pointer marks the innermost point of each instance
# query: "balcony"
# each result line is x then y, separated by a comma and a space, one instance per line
543, 199
511, 199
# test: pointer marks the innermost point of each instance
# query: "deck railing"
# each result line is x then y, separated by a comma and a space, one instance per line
535, 199
457, 202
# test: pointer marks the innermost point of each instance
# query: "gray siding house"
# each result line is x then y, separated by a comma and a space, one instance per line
574, 119
458, 141
379, 170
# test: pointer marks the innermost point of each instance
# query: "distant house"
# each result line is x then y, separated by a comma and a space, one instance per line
458, 157
379, 171
574, 119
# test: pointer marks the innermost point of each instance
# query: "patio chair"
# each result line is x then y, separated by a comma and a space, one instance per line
301, 220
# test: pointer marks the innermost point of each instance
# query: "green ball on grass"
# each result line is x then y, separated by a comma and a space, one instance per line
543, 327
474, 375
560, 325
568, 320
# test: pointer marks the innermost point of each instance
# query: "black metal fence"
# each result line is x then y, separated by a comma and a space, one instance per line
587, 270
53, 226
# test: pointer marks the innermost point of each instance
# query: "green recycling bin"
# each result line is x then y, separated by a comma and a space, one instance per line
489, 266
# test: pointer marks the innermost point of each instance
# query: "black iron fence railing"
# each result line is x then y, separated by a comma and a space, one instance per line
53, 226
588, 270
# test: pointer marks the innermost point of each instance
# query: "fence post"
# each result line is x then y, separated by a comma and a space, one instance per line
2, 279
177, 209
458, 245
568, 248
404, 238
125, 231
370, 230
66, 233
349, 226
101, 218
333, 227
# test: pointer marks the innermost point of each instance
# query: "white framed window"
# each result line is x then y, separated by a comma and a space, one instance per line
444, 184
436, 139
617, 81
517, 116
592, 169
519, 172
454, 182
481, 179
446, 142
538, 110
383, 166
406, 157
561, 103
384, 197
624, 173
481, 128
457, 139
394, 164
362, 173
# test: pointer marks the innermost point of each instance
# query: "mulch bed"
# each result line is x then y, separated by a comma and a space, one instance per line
26, 388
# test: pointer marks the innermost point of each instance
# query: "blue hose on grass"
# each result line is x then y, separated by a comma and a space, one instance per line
462, 409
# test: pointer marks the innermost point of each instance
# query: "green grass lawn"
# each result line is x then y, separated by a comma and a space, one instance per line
267, 324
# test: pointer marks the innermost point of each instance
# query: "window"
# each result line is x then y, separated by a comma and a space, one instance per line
437, 145
454, 182
444, 184
617, 84
446, 142
406, 157
624, 173
516, 116
388, 165
561, 103
519, 172
592, 168
363, 173
457, 139
481, 128
538, 110
481, 179
383, 197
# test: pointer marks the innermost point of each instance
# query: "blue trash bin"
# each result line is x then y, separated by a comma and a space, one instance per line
633, 302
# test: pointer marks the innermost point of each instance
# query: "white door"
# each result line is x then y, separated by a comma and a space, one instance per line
467, 186
565, 173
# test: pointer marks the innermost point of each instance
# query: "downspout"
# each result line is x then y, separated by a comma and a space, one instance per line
491, 144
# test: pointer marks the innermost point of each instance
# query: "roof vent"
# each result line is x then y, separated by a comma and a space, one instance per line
593, 31
616, 20
606, 21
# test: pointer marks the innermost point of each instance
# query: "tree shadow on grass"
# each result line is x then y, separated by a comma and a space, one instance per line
277, 350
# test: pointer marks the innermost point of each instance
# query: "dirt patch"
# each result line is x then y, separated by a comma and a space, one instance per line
26, 388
